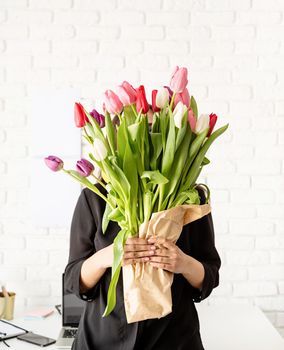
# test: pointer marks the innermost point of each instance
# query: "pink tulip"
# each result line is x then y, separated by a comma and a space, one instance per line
179, 79
112, 102
54, 163
126, 93
213, 119
182, 97
191, 120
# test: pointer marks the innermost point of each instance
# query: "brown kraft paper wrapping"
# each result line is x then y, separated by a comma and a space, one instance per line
147, 290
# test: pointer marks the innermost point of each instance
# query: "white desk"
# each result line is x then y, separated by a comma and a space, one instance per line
234, 327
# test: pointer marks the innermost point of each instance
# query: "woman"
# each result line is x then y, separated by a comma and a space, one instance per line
194, 261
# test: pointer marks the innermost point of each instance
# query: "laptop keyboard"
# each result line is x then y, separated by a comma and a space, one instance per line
69, 333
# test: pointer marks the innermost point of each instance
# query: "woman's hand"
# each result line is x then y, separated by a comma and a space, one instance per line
137, 250
168, 256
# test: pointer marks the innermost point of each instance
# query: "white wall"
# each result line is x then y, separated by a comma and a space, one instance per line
235, 54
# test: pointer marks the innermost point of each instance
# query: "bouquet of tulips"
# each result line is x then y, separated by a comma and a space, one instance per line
150, 158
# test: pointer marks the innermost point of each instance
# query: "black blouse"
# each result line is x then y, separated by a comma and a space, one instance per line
179, 330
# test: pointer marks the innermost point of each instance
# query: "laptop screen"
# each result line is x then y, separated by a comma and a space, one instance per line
72, 308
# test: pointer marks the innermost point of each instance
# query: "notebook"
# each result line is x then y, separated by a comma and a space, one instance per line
72, 308
9, 330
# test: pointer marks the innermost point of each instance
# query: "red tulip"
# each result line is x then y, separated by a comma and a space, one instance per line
154, 106
126, 93
112, 102
141, 103
79, 115
179, 79
213, 119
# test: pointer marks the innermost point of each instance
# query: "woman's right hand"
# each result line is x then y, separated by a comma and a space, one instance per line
137, 250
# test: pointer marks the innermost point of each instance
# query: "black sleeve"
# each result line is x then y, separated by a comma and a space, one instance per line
82, 234
203, 249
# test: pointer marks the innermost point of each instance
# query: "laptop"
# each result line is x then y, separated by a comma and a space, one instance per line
72, 309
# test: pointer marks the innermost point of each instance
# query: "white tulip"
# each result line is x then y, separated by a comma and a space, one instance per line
178, 113
100, 151
202, 123
162, 97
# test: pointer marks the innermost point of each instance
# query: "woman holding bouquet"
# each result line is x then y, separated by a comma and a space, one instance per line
194, 261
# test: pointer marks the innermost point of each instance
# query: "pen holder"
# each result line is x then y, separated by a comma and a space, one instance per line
7, 306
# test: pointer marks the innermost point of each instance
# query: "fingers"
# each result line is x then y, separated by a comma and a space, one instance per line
162, 242
134, 260
138, 254
136, 244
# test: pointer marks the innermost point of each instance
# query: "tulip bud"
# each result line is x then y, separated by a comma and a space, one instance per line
54, 163
154, 106
84, 167
178, 114
191, 120
202, 123
99, 118
112, 102
213, 119
141, 102
126, 93
100, 151
79, 115
162, 97
179, 79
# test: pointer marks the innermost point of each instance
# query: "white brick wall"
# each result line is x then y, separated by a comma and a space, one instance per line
234, 51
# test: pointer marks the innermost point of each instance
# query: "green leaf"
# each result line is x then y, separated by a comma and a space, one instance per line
116, 215
194, 169
193, 106
105, 219
155, 177
110, 133
134, 131
169, 152
156, 149
121, 140
182, 131
197, 143
118, 245
176, 170
147, 201
129, 115
205, 161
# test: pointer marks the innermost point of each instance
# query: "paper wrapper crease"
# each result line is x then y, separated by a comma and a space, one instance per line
147, 290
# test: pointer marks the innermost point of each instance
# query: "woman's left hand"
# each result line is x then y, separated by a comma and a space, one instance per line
168, 256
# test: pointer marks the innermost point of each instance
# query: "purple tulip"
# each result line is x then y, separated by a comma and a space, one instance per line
84, 167
170, 91
54, 163
99, 118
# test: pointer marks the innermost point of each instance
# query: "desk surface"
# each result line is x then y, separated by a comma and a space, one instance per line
231, 327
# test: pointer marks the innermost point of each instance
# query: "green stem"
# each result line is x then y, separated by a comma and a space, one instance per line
172, 100
134, 110
99, 181
87, 136
92, 188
